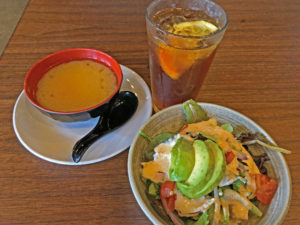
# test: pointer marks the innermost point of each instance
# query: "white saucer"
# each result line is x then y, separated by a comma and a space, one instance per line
53, 141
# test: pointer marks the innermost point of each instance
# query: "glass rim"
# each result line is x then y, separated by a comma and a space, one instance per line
223, 28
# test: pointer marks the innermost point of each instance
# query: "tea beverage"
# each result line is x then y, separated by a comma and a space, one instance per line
183, 40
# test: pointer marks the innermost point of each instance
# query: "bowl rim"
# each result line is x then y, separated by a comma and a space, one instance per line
54, 54
132, 181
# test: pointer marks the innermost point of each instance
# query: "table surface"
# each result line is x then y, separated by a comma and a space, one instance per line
256, 72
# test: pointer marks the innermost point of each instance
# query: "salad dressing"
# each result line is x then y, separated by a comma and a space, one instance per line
191, 207
232, 167
211, 129
158, 169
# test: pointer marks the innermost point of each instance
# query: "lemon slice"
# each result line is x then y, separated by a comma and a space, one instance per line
177, 61
182, 53
193, 28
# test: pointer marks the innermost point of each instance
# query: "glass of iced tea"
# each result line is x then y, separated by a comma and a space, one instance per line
183, 36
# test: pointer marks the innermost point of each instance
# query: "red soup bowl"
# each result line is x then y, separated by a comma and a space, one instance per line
44, 65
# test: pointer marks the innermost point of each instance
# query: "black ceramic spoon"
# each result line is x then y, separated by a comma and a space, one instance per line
118, 112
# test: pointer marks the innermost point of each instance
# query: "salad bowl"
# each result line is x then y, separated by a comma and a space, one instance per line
172, 119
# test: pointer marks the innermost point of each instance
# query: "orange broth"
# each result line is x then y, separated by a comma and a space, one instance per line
75, 85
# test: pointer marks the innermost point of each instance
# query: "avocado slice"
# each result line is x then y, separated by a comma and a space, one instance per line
202, 159
220, 167
213, 179
202, 171
182, 160
189, 189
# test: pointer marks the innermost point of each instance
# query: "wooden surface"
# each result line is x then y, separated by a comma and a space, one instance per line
10, 13
256, 72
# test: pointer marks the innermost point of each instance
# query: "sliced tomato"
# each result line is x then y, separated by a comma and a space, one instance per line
171, 202
229, 157
166, 189
265, 188
167, 193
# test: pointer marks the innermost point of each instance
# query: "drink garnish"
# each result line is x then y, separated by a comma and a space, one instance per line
194, 28
181, 53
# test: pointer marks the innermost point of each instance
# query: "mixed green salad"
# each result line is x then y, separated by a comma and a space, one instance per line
205, 174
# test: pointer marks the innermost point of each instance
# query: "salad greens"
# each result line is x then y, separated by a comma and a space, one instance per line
227, 127
160, 138
204, 174
193, 113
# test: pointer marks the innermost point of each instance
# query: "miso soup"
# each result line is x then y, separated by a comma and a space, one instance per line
75, 85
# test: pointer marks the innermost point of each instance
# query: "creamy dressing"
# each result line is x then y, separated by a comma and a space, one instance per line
158, 169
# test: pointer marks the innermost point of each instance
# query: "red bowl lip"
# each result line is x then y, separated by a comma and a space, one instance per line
118, 68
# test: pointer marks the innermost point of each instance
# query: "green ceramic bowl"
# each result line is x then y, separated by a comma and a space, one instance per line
172, 119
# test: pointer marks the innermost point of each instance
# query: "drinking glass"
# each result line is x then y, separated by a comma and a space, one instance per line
179, 61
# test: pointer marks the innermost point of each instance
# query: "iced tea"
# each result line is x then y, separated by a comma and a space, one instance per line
182, 45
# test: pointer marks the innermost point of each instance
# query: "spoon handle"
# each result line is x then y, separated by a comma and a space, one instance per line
84, 143
117, 113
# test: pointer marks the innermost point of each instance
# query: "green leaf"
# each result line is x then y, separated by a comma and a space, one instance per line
271, 147
203, 220
193, 112
143, 134
210, 213
153, 190
227, 127
158, 139
237, 185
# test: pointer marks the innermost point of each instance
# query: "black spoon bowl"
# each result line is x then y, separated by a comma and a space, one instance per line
119, 111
